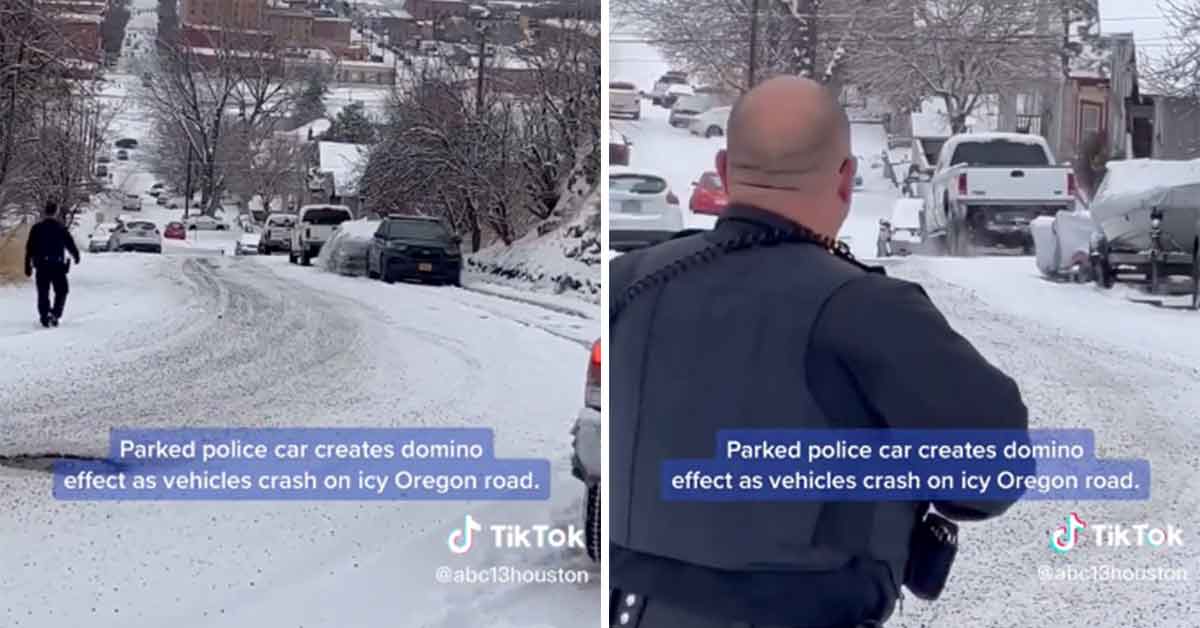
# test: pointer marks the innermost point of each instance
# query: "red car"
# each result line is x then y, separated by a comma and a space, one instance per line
175, 231
708, 195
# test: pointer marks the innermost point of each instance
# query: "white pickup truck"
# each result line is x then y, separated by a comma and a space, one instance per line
987, 188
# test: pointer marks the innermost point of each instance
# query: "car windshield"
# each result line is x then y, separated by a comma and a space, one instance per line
141, 226
421, 229
999, 153
326, 217
636, 184
281, 221
673, 79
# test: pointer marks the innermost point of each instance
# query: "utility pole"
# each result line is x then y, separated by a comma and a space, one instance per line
482, 27
753, 44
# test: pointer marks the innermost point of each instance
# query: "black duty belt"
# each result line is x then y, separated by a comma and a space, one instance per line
632, 610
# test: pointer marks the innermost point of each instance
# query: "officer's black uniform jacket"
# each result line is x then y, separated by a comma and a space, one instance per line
49, 241
786, 336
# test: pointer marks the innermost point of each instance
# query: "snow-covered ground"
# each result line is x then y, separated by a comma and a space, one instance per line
1084, 358
190, 340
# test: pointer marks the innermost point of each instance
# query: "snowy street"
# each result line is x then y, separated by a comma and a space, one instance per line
1083, 358
181, 340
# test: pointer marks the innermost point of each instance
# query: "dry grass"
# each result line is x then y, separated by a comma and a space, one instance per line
12, 255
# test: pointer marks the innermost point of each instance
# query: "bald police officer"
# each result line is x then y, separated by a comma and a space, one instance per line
739, 328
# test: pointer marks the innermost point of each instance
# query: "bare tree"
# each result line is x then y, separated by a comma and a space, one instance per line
959, 51
1176, 72
217, 105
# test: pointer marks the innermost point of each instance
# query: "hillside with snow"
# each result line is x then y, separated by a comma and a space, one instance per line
562, 260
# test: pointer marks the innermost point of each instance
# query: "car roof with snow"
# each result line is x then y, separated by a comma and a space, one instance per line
630, 171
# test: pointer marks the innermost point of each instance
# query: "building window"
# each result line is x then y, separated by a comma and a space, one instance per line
1091, 119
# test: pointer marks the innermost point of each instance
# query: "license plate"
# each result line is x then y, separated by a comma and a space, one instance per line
425, 268
631, 207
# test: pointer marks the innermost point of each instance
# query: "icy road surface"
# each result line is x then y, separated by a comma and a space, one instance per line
178, 340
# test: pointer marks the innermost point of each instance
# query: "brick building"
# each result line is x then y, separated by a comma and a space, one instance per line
230, 14
437, 9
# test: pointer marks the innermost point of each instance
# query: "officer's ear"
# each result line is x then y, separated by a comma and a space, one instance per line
722, 167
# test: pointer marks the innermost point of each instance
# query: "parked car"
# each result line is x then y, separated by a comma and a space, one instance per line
103, 159
906, 226
663, 84
415, 247
247, 244
102, 171
347, 250
173, 204
156, 189
585, 458
708, 195
674, 93
127, 143
175, 230
138, 235
277, 233
101, 238
122, 155
314, 225
161, 201
711, 123
624, 100
132, 203
619, 148
685, 109
642, 208
206, 223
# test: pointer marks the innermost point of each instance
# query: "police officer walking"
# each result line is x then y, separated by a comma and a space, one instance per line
767, 322
45, 250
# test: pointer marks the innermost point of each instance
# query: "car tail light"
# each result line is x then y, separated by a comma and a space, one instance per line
671, 198
962, 184
591, 395
1071, 189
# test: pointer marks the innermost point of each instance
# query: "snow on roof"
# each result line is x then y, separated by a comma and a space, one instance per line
344, 162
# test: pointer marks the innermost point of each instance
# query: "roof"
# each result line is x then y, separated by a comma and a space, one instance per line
345, 162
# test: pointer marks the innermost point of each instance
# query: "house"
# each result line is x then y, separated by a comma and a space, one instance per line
335, 177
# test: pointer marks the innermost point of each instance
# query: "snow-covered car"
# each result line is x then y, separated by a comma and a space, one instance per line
711, 123
122, 155
415, 247
585, 457
664, 83
346, 252
674, 93
624, 100
175, 230
156, 189
206, 223
277, 233
685, 109
132, 203
642, 208
101, 238
138, 235
247, 244
314, 226
906, 226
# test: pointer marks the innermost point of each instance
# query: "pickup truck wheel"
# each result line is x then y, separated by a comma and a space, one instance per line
591, 521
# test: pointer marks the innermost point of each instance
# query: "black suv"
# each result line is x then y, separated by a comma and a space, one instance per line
415, 247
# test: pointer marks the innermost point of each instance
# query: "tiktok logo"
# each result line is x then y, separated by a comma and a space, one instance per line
1066, 537
461, 539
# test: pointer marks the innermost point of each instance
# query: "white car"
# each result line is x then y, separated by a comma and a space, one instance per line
138, 235
685, 109
247, 244
711, 123
642, 208
101, 238
663, 85
206, 223
624, 100
277, 233
132, 203
314, 227
674, 93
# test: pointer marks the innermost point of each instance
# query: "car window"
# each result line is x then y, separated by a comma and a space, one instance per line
281, 221
141, 225
636, 184
325, 217
423, 229
999, 153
